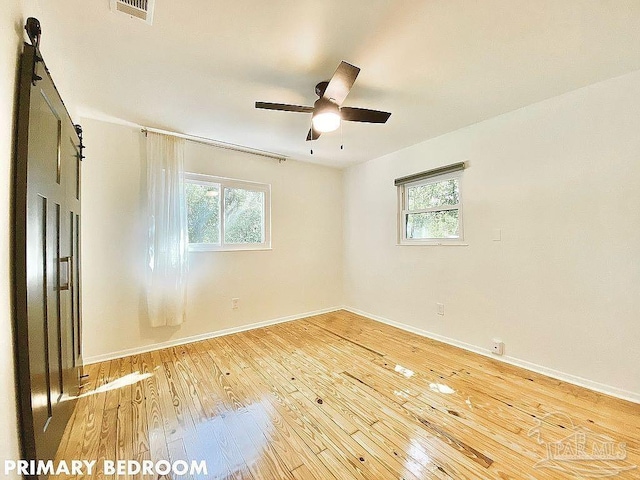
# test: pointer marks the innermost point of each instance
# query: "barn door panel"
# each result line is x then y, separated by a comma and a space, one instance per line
46, 259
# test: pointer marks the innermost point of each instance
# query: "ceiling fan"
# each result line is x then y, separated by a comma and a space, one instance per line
327, 112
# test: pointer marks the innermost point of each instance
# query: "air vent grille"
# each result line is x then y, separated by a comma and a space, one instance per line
142, 9
139, 4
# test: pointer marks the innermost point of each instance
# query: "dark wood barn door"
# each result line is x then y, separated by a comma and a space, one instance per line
47, 260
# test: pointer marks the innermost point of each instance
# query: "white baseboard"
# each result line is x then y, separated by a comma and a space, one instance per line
566, 377
203, 336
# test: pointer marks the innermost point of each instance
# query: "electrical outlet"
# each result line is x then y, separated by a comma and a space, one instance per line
440, 308
235, 303
497, 347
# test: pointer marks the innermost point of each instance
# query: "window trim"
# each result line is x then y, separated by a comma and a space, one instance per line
222, 183
402, 211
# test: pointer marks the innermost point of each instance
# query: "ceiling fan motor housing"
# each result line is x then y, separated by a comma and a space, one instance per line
324, 105
321, 88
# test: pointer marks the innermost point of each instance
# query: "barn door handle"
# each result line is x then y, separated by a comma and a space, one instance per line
65, 282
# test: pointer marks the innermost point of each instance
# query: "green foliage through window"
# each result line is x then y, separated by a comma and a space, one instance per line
433, 195
203, 212
440, 224
217, 208
243, 218
432, 210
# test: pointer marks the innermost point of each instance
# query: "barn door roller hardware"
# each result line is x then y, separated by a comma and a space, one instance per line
34, 32
78, 128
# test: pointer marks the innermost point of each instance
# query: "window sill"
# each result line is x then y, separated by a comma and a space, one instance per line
432, 244
236, 249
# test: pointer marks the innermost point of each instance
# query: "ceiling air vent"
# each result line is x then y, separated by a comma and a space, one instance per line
142, 9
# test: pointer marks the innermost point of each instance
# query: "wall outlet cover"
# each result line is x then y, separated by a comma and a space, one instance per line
497, 347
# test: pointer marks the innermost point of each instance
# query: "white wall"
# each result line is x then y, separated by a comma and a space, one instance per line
562, 289
302, 273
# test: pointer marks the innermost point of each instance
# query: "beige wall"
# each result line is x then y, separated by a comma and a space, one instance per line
303, 272
562, 289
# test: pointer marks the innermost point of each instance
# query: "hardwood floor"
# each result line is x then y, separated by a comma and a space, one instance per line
341, 396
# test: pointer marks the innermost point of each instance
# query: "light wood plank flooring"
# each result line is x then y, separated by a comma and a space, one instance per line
341, 396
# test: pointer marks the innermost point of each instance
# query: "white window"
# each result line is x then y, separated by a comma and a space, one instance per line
430, 210
225, 214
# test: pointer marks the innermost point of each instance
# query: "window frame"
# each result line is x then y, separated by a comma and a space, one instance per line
222, 183
403, 211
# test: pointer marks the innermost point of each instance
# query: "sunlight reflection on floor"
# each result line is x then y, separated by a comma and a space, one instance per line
404, 371
124, 381
440, 388
231, 440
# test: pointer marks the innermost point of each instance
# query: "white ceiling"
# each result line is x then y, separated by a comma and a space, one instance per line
436, 65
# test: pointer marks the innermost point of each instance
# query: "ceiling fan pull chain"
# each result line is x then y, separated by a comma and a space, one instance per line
341, 136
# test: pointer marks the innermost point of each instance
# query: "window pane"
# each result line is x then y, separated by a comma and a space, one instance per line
433, 195
203, 212
243, 216
442, 224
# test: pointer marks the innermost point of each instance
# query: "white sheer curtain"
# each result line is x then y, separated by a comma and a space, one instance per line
167, 243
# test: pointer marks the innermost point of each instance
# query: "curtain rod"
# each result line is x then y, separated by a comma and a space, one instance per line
217, 143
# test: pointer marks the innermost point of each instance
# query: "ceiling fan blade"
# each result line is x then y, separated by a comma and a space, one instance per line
363, 115
341, 83
284, 107
313, 134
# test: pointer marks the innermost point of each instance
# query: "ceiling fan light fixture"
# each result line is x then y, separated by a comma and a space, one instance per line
327, 121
